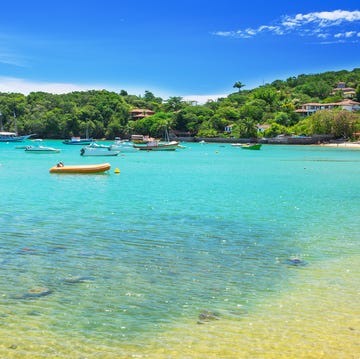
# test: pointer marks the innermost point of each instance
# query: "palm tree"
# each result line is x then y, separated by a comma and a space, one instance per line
238, 85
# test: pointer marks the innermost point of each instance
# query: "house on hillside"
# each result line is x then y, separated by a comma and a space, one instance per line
140, 113
310, 108
228, 128
262, 128
346, 92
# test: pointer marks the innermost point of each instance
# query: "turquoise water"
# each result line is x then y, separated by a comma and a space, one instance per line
130, 262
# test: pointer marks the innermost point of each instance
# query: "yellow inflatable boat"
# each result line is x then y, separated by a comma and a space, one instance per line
98, 168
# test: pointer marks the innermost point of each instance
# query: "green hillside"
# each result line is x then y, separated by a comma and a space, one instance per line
108, 114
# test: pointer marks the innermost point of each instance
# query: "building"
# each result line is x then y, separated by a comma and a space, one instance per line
262, 128
228, 128
346, 92
310, 108
140, 113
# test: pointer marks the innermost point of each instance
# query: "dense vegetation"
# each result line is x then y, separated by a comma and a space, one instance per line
107, 114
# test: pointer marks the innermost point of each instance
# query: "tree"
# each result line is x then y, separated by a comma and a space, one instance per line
343, 124
358, 93
276, 129
174, 103
247, 128
238, 85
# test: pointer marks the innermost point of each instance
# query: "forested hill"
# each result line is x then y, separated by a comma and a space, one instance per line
108, 114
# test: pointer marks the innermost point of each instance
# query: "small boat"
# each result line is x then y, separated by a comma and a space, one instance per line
122, 146
249, 146
13, 137
97, 168
237, 144
98, 150
78, 141
41, 149
158, 146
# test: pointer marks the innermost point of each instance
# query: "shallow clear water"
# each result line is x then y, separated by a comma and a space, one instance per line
183, 254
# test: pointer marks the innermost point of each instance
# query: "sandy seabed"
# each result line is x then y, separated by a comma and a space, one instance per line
318, 318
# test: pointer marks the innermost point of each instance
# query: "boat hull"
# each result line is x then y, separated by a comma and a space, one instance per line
252, 147
78, 141
12, 137
171, 146
97, 168
97, 152
41, 149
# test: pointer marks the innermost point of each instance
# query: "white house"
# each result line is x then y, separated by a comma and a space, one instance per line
262, 128
228, 128
310, 108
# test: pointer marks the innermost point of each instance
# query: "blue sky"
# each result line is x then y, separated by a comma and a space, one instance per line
193, 49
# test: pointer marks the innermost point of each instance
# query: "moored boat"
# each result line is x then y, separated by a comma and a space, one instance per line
255, 146
158, 146
122, 146
78, 141
98, 150
13, 137
94, 168
41, 149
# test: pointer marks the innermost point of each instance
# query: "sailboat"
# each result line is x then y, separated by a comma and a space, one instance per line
75, 140
156, 145
12, 136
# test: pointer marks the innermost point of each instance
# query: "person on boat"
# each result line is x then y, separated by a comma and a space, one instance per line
60, 164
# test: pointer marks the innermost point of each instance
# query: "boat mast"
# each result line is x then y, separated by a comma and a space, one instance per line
167, 138
15, 125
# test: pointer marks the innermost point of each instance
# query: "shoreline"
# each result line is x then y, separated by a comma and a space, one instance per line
342, 145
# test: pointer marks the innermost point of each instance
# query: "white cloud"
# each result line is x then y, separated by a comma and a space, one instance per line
322, 36
18, 85
9, 58
201, 99
318, 24
346, 34
224, 33
322, 19
24, 86
11, 84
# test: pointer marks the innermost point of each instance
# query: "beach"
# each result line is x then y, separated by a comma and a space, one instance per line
355, 145
204, 252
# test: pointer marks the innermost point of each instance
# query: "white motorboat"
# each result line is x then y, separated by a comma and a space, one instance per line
98, 150
41, 149
122, 146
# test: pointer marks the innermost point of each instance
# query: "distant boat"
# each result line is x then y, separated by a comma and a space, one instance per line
41, 149
122, 146
248, 146
237, 144
158, 146
84, 169
13, 137
98, 150
78, 141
